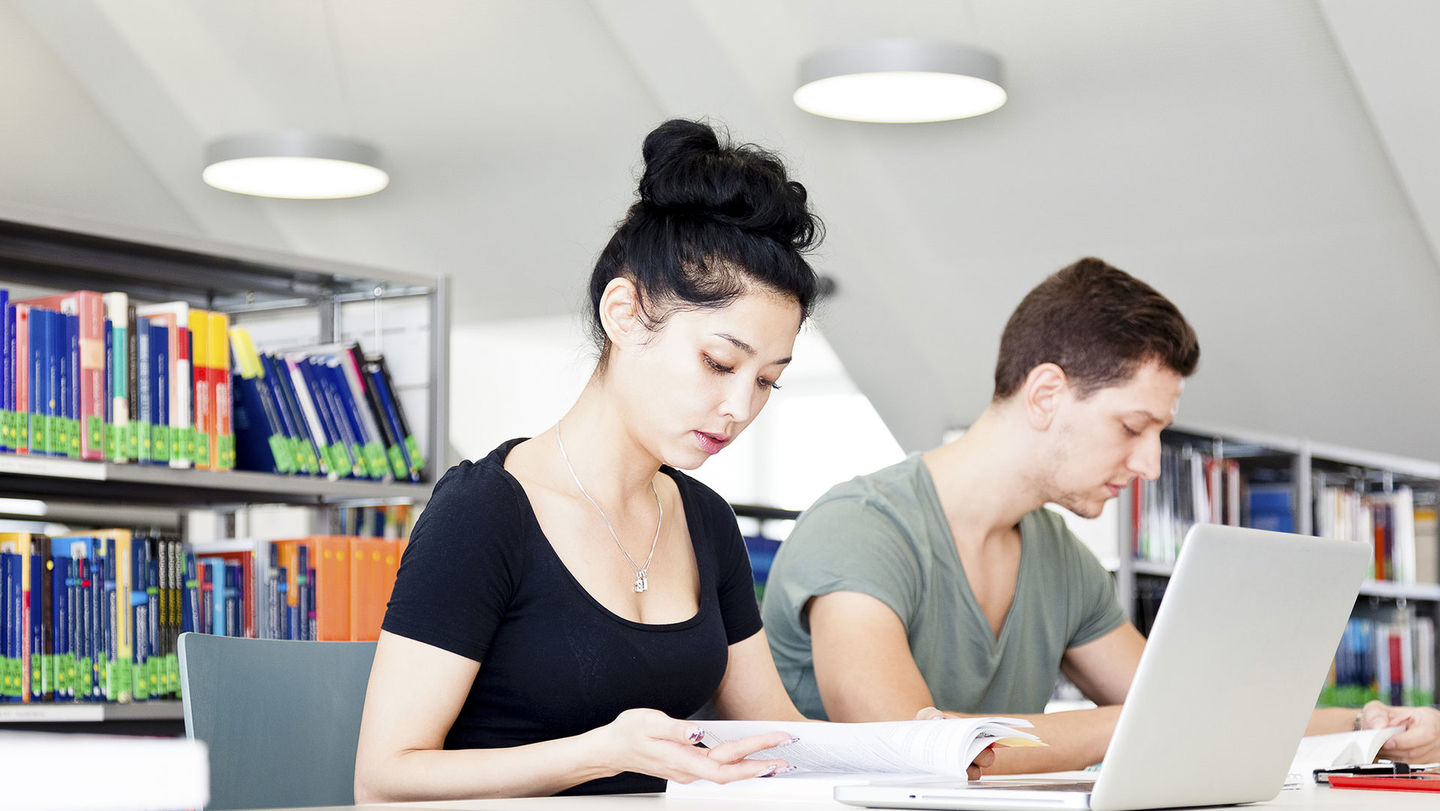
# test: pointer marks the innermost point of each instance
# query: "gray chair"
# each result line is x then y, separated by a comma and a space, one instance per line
281, 718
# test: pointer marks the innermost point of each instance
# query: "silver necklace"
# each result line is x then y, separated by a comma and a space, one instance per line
642, 573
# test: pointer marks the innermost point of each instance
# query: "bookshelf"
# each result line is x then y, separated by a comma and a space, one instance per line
285, 301
1298, 485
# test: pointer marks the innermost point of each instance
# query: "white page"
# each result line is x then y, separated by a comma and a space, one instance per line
942, 746
1336, 750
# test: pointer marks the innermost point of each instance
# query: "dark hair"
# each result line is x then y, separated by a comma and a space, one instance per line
712, 219
1099, 324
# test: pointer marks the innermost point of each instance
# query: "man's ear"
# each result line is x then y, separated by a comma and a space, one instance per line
620, 313
1041, 394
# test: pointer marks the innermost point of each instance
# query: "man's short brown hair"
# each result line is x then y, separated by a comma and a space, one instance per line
1099, 324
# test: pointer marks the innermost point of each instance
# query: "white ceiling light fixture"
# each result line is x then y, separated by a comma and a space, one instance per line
295, 165
897, 81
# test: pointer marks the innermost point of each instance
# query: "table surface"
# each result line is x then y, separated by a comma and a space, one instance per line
1309, 797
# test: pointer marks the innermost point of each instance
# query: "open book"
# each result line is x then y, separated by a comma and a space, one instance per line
1337, 750
828, 754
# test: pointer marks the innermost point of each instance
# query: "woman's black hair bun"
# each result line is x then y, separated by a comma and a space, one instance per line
691, 172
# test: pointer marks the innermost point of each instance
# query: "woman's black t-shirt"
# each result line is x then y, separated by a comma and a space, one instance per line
481, 580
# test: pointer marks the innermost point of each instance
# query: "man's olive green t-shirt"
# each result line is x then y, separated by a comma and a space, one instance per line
885, 535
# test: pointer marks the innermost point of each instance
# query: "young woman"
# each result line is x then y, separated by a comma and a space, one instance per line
566, 601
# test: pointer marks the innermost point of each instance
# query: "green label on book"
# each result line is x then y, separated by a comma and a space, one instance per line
192, 444
145, 452
76, 438
226, 445
7, 428
281, 454
57, 434
312, 461
177, 441
95, 427
22, 429
375, 460
9, 684
397, 462
86, 672
137, 681
160, 443
297, 456
132, 441
417, 459
202, 451
109, 445
122, 677
69, 673
339, 460
172, 673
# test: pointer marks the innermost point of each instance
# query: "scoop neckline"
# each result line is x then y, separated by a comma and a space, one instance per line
685, 503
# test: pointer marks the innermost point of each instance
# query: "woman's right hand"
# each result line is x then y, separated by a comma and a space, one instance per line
651, 742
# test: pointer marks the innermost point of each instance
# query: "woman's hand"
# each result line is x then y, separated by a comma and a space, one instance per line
651, 742
1419, 743
984, 760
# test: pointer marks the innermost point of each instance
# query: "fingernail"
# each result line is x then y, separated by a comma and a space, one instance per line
770, 772
792, 740
696, 734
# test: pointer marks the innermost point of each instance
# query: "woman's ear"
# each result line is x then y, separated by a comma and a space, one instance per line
620, 313
1041, 393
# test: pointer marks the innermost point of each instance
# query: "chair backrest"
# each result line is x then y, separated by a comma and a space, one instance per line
281, 718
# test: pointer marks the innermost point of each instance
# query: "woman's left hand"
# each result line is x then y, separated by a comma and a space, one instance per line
984, 760
1419, 743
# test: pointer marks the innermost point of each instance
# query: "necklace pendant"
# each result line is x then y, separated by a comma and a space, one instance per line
642, 582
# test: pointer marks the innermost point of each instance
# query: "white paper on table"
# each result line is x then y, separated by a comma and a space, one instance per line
940, 746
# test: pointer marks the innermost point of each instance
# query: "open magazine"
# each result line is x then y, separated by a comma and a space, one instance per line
828, 753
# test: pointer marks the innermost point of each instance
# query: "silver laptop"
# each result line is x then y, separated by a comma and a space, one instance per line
1238, 653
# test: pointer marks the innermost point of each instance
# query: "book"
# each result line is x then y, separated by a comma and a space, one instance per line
1336, 751
175, 316
827, 751
88, 309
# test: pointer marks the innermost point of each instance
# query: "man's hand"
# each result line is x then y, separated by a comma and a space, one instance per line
984, 760
1419, 743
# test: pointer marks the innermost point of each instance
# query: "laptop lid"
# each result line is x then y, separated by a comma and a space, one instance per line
1238, 653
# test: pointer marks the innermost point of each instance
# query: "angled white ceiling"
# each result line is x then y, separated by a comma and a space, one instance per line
1275, 185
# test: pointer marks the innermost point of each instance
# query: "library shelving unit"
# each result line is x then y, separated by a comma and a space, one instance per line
286, 301
1291, 484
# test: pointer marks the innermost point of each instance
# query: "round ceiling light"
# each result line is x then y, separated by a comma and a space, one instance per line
900, 81
294, 165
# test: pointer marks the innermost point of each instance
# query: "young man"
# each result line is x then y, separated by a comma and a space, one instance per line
940, 581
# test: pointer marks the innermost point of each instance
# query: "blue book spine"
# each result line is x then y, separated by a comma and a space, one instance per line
100, 619
7, 374
218, 593
61, 582
233, 624
5, 658
37, 626
160, 401
190, 598
145, 382
109, 383
152, 599
340, 391
334, 440
284, 389
57, 439
323, 388
38, 380
140, 620
110, 680
68, 369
